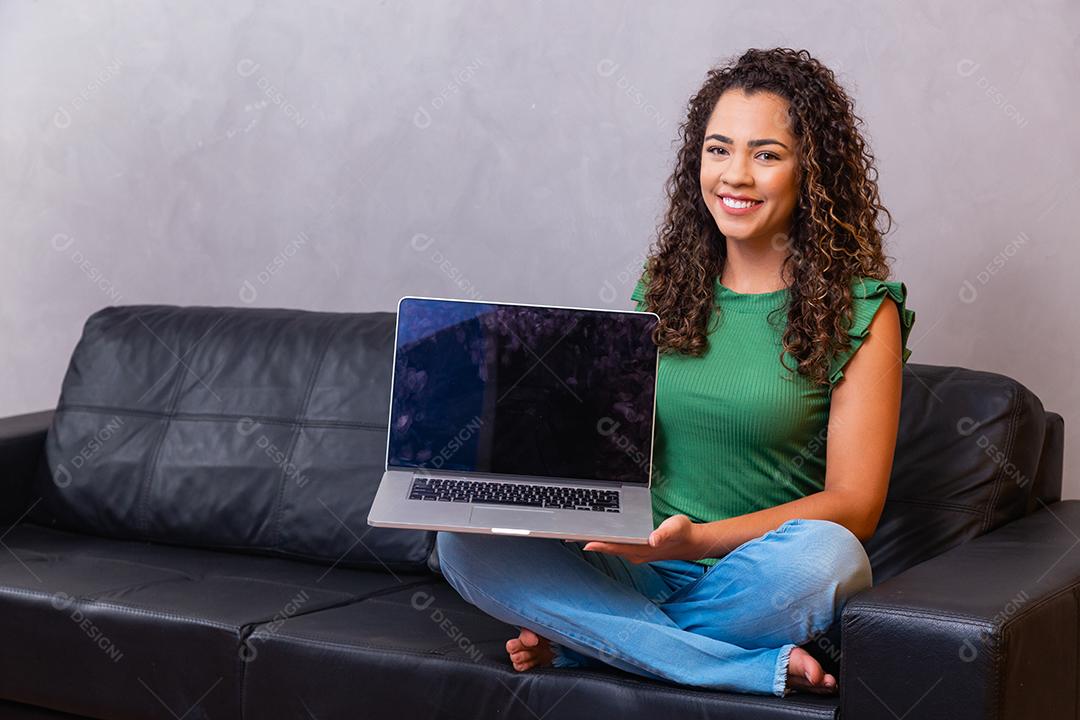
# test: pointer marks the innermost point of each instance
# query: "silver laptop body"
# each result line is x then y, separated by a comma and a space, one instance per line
529, 420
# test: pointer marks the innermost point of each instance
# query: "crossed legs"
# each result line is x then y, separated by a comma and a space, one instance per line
732, 626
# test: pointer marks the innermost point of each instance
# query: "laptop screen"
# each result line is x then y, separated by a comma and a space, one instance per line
523, 390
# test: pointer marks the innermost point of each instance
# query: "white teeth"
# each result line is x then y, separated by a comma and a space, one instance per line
739, 203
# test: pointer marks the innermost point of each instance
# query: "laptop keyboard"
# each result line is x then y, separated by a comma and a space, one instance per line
500, 493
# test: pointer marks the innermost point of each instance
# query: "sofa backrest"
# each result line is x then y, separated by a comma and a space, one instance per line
975, 450
264, 430
260, 430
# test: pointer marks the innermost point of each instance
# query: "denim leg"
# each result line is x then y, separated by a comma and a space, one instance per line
639, 577
653, 582
782, 589
548, 586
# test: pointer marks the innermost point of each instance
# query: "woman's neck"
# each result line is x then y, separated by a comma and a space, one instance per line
753, 269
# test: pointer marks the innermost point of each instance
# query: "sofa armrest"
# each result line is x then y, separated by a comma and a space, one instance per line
22, 446
988, 629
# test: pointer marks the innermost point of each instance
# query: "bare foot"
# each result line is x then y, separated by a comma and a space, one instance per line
529, 650
805, 673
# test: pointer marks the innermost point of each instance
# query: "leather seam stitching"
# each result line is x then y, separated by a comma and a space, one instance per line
546, 670
940, 505
283, 477
956, 618
999, 474
403, 566
147, 485
132, 609
247, 630
1033, 607
252, 628
211, 417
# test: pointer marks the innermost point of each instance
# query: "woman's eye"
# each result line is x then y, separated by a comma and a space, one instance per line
767, 155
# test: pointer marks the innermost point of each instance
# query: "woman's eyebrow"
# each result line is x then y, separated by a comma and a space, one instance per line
751, 143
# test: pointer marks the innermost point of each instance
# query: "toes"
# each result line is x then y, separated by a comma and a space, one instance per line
528, 638
805, 667
813, 674
806, 674
528, 650
826, 687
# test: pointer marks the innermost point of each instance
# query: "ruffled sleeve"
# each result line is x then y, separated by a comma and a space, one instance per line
638, 295
867, 296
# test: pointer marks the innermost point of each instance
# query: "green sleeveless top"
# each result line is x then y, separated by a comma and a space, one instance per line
736, 431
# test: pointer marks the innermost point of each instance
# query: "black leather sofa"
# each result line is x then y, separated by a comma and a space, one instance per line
185, 536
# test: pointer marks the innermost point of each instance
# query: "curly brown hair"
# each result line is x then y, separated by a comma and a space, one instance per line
834, 236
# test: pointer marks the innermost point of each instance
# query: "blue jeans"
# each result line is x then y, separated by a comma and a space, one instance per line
731, 626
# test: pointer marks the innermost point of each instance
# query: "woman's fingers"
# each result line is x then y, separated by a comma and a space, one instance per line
608, 547
629, 552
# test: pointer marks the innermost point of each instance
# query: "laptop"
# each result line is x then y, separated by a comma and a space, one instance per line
527, 420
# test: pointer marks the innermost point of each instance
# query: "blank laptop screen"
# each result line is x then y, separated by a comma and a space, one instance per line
522, 390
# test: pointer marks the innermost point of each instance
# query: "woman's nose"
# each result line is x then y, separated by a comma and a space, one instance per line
737, 170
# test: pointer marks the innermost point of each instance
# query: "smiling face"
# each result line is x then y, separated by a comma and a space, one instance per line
749, 152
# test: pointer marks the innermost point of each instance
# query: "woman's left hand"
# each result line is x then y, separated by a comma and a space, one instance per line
677, 538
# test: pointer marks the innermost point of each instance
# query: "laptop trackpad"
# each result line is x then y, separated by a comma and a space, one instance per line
504, 517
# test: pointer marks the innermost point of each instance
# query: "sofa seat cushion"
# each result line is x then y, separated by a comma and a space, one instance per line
425, 652
113, 628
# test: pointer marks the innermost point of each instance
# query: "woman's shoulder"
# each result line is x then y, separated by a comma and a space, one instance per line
869, 288
638, 293
867, 296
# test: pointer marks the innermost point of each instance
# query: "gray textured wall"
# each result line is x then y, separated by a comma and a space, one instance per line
335, 155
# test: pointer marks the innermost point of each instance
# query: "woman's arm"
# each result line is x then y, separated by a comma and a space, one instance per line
863, 421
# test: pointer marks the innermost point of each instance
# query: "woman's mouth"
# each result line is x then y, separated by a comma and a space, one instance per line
739, 207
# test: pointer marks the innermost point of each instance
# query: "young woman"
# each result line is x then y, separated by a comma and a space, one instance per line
779, 334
